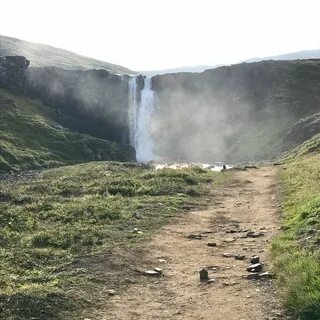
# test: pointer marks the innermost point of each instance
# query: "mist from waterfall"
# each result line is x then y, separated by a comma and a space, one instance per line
141, 106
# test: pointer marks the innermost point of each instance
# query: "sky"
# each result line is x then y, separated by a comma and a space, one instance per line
161, 34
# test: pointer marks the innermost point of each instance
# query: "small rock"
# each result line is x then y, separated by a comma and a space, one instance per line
265, 276
232, 231
228, 255
252, 276
111, 292
162, 261
204, 276
136, 231
252, 234
229, 240
257, 267
211, 281
195, 236
211, 244
158, 270
240, 257
255, 259
151, 273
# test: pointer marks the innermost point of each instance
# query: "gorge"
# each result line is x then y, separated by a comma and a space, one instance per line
243, 112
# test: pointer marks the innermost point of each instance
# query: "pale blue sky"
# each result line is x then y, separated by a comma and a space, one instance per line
157, 34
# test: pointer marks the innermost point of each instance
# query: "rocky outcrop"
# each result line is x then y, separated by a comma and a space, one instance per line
94, 102
13, 72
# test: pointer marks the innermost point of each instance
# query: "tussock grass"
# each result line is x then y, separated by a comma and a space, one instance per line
296, 252
52, 223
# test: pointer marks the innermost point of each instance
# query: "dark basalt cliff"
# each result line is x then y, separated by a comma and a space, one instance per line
235, 113
94, 102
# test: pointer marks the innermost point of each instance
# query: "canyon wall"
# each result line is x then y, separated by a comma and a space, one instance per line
235, 113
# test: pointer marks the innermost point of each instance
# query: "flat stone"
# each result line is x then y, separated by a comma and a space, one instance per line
195, 236
257, 267
211, 244
252, 234
265, 276
211, 281
252, 276
158, 270
151, 273
229, 240
240, 257
162, 261
228, 255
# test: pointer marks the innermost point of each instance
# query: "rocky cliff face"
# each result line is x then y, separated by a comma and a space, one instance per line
13, 72
235, 113
94, 102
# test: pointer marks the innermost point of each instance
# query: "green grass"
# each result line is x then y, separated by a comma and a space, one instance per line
309, 146
30, 139
296, 251
59, 231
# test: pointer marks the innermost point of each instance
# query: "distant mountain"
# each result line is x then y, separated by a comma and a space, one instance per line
41, 55
306, 54
193, 69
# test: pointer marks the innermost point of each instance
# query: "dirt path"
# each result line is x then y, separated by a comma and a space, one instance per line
248, 202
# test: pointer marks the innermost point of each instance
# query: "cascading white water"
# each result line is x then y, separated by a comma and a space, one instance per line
140, 116
133, 108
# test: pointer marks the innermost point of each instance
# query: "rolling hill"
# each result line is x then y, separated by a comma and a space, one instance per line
41, 55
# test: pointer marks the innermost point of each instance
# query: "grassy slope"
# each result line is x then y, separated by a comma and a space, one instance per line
42, 55
30, 139
296, 252
48, 223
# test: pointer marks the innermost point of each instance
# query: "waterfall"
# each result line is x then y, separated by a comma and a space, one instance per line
140, 115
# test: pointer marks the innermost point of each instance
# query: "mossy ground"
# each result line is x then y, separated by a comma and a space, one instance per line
60, 230
30, 138
296, 252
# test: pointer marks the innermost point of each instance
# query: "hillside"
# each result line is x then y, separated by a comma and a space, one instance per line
295, 252
41, 55
243, 112
299, 55
31, 138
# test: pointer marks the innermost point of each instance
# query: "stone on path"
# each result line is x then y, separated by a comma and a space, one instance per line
204, 275
252, 276
255, 259
195, 236
151, 273
265, 276
257, 267
240, 257
158, 270
211, 244
111, 292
